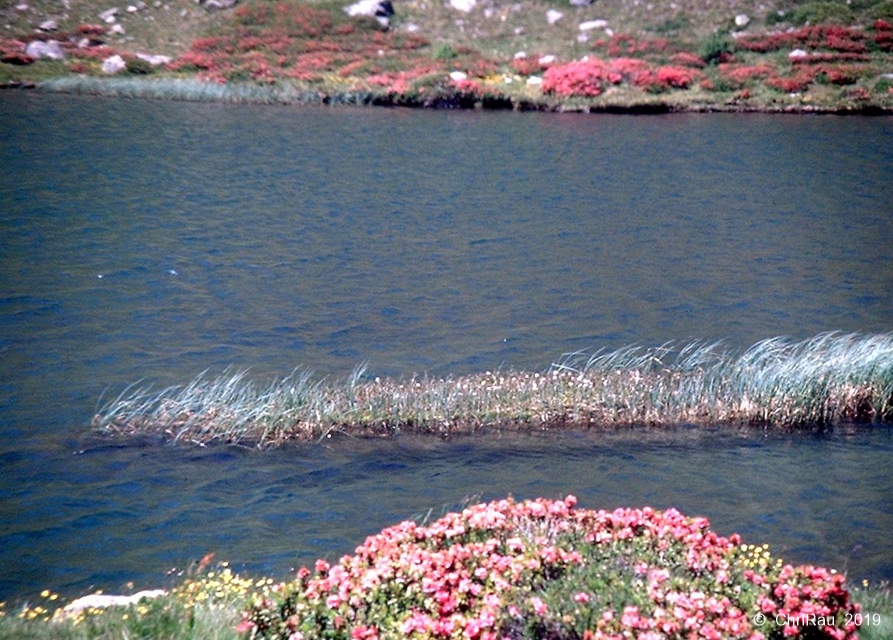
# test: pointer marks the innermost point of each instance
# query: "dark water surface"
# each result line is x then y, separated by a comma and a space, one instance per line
149, 240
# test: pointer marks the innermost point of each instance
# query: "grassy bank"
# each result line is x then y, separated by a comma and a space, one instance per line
825, 381
692, 55
534, 569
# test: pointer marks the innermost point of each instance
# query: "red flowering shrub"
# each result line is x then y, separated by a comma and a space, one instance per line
577, 78
290, 40
623, 44
815, 58
766, 43
738, 76
545, 569
530, 65
466, 86
666, 78
90, 29
790, 84
688, 59
589, 77
840, 75
834, 38
883, 40
79, 67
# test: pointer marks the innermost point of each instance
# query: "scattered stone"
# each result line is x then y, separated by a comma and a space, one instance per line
131, 8
97, 601
411, 27
109, 15
549, 59
49, 25
741, 20
589, 25
458, 76
381, 10
50, 49
22, 7
583, 37
463, 5
154, 59
581, 3
116, 30
797, 53
519, 31
553, 16
520, 55
113, 65
534, 80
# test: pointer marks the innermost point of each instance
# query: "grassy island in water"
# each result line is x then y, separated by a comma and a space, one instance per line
828, 380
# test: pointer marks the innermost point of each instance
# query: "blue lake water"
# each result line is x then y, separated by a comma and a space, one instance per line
144, 240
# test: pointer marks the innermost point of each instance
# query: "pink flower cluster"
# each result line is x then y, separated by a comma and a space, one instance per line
485, 571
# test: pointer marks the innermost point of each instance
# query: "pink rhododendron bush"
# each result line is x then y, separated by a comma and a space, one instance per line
546, 569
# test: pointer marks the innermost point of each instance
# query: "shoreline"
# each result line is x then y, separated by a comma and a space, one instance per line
187, 89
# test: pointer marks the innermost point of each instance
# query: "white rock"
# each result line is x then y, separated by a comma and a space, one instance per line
48, 25
116, 30
589, 25
553, 16
22, 7
741, 21
97, 601
463, 5
362, 8
547, 60
113, 65
109, 13
583, 37
458, 75
381, 10
132, 8
534, 80
520, 55
797, 53
50, 49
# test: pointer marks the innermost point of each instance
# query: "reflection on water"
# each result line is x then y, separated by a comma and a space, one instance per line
146, 240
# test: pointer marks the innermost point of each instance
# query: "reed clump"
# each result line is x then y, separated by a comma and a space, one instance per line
827, 380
